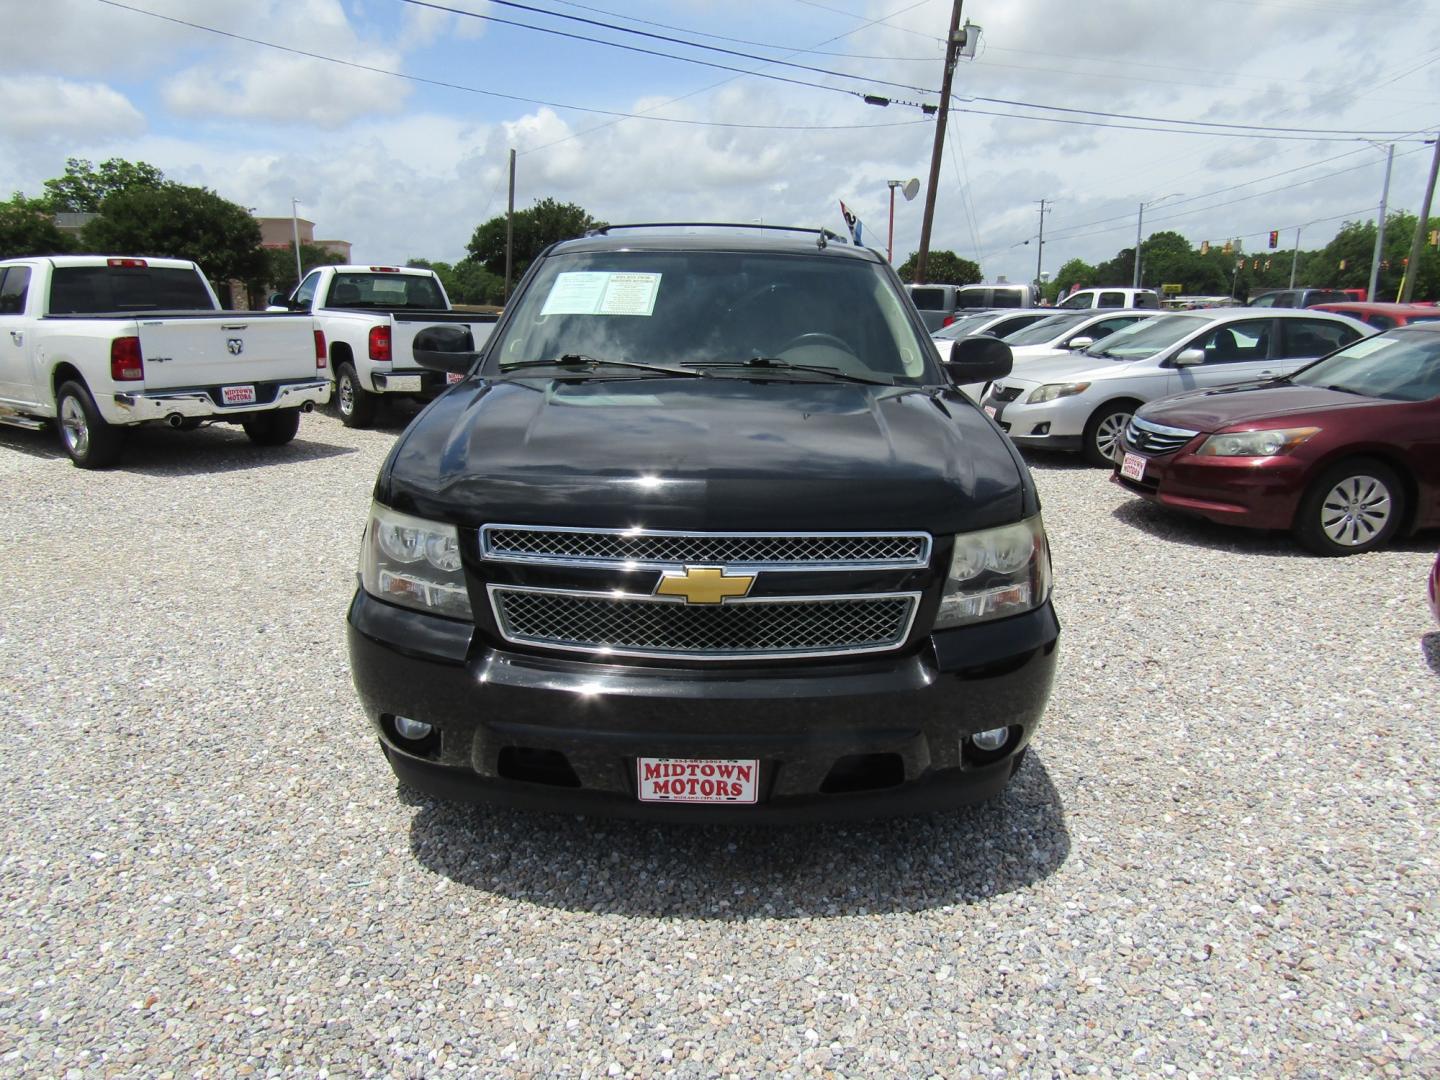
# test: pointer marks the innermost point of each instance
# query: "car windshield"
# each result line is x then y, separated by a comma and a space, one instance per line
1147, 337
970, 324
707, 307
1396, 365
1046, 330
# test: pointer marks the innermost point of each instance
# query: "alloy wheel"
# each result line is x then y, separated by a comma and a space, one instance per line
75, 427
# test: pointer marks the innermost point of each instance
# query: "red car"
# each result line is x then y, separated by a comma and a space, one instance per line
1345, 452
1384, 316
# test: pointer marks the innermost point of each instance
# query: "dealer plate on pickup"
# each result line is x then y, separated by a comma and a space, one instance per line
1133, 467
237, 395
697, 780
403, 384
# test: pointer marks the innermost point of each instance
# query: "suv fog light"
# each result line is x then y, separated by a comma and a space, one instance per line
989, 741
415, 730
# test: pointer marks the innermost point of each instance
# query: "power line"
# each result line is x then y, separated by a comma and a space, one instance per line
373, 69
1167, 130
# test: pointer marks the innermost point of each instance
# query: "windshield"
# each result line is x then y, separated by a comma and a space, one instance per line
1399, 366
970, 324
695, 307
1148, 337
1046, 330
389, 291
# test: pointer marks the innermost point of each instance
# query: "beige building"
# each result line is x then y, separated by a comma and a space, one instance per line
279, 232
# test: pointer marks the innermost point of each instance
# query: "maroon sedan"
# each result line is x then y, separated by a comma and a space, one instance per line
1435, 588
1345, 453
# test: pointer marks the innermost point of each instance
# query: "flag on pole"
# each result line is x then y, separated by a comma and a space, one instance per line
852, 223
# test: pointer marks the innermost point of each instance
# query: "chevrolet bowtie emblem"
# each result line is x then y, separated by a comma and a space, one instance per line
703, 584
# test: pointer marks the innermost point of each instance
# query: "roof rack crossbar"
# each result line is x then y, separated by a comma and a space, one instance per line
823, 234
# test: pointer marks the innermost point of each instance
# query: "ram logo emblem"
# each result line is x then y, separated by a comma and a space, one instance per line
235, 345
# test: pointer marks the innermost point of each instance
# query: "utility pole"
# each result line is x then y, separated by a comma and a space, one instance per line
1417, 245
1295, 259
1380, 227
951, 45
510, 229
1139, 223
1040, 249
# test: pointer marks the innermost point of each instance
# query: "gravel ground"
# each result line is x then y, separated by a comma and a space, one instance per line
1220, 857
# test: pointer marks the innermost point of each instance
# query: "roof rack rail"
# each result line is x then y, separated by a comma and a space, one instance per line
822, 234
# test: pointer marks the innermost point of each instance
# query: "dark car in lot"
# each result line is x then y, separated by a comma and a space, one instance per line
1298, 298
706, 532
1345, 452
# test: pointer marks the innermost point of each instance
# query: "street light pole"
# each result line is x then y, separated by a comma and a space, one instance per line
1380, 227
1040, 246
890, 241
295, 229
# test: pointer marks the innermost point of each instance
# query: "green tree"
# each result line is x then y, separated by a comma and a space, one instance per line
942, 268
84, 187
534, 230
1076, 273
466, 282
27, 228
180, 222
280, 264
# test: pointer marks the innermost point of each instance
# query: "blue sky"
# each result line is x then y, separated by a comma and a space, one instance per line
405, 169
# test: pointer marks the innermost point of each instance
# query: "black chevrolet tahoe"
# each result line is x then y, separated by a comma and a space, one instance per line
706, 532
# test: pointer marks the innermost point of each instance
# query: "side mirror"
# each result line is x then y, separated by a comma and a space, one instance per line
1189, 357
445, 348
1084, 341
979, 360
279, 300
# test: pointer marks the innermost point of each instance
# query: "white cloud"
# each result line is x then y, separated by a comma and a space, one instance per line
52, 108
288, 90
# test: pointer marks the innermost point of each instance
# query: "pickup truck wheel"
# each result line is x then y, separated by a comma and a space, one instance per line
88, 439
273, 428
355, 404
1353, 507
1101, 444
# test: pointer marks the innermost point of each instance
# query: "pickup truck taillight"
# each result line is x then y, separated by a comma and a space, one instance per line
380, 344
126, 364
319, 350
948, 320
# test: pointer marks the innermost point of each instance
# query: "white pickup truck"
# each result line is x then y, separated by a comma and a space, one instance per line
370, 316
102, 343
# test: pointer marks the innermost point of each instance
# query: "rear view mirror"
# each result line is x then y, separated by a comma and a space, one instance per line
978, 360
1189, 357
445, 348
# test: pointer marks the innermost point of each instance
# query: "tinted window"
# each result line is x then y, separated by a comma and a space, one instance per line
79, 290
1236, 342
1268, 300
1380, 322
14, 282
1111, 299
976, 298
1106, 327
1148, 337
306, 292
968, 324
698, 307
1399, 366
1011, 323
1045, 330
928, 299
1309, 338
1079, 300
1146, 300
1007, 298
388, 291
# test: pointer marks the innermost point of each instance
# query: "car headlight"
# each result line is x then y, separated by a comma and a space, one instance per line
1051, 391
995, 573
1255, 443
414, 563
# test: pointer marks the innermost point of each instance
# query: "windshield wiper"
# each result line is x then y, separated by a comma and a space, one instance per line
771, 363
581, 362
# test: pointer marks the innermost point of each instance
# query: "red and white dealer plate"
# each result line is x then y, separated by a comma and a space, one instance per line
1133, 467
697, 780
237, 395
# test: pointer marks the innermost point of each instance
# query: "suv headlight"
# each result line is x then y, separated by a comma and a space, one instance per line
414, 563
1255, 443
1051, 391
995, 573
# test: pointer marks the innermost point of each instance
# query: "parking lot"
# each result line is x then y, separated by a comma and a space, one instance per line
1219, 858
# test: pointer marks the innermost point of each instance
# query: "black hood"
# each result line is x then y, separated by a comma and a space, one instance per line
716, 454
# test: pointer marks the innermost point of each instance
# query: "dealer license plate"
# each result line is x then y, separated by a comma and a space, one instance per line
404, 384
453, 377
237, 395
991, 411
1133, 467
697, 780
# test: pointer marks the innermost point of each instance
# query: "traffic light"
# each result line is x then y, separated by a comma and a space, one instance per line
1274, 238
1435, 237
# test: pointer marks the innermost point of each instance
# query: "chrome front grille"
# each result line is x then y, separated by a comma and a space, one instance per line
1150, 438
1005, 393
752, 628
646, 549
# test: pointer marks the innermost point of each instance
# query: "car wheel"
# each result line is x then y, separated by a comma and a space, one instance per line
1101, 445
273, 428
87, 438
1354, 507
355, 404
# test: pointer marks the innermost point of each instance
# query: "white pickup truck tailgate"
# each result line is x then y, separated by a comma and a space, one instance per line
240, 348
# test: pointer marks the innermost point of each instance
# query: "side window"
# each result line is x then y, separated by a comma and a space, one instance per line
1079, 300
1381, 322
1111, 299
924, 299
306, 292
1307, 338
1236, 343
1268, 300
1007, 298
13, 286
1146, 300
1106, 327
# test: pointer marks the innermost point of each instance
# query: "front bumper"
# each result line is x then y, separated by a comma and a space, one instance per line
1258, 493
205, 402
1051, 425
903, 717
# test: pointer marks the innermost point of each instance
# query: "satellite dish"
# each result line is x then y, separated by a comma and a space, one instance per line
911, 188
